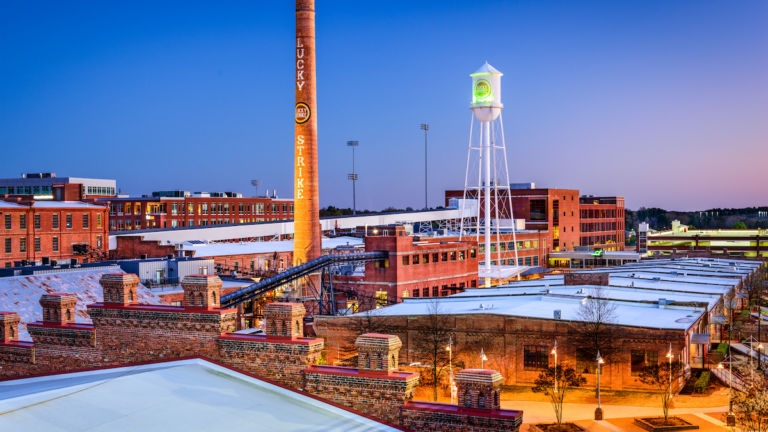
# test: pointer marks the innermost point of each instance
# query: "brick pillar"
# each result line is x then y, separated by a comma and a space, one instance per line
9, 326
201, 291
58, 308
479, 388
285, 319
378, 352
120, 288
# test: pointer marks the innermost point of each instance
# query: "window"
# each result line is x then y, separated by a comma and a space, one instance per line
434, 291
535, 357
37, 221
415, 259
538, 210
425, 258
434, 257
473, 253
37, 244
416, 292
406, 260
85, 220
536, 260
23, 221
641, 359
98, 220
425, 292
22, 245
55, 244
8, 247
453, 256
98, 241
55, 221
69, 220
444, 256
528, 261
7, 221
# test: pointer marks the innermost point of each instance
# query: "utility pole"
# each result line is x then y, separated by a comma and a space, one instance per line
353, 176
425, 128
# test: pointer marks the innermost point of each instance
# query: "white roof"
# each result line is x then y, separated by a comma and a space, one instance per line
499, 272
64, 204
221, 249
22, 293
544, 307
486, 68
185, 395
6, 204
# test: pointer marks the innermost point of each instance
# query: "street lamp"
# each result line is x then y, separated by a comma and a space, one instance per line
759, 356
425, 128
483, 358
669, 357
449, 348
599, 410
554, 353
353, 175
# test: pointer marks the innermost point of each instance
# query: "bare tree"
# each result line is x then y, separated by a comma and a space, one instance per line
595, 330
555, 382
368, 322
662, 376
431, 341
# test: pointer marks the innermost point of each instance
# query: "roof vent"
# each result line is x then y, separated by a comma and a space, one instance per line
482, 306
656, 278
558, 314
663, 302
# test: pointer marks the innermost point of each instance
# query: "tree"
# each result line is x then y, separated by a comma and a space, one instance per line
431, 340
740, 225
367, 323
555, 382
662, 377
594, 331
751, 407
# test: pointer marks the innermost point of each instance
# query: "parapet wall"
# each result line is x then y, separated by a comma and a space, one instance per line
441, 417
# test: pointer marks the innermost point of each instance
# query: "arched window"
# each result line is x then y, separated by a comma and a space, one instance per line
213, 297
394, 362
200, 300
481, 400
46, 315
13, 333
298, 328
496, 402
55, 314
380, 362
130, 295
69, 315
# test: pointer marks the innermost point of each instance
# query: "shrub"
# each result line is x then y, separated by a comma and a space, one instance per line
702, 383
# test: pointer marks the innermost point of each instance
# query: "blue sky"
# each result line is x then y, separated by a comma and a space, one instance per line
664, 102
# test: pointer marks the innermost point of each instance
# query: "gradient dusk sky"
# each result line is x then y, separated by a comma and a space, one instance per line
663, 102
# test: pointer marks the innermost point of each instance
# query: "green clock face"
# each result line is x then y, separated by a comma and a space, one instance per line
482, 92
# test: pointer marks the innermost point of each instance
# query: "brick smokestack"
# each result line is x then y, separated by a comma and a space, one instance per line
307, 237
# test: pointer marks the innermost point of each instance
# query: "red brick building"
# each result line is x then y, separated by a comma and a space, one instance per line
41, 231
558, 212
602, 222
193, 211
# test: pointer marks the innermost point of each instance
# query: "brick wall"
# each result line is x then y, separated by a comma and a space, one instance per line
440, 417
277, 358
378, 394
586, 278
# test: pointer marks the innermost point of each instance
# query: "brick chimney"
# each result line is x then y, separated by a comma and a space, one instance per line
479, 388
586, 279
9, 326
202, 291
120, 288
58, 308
378, 352
285, 319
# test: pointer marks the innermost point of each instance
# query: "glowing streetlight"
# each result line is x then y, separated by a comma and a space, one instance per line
599, 410
554, 353
669, 357
483, 358
449, 348
759, 355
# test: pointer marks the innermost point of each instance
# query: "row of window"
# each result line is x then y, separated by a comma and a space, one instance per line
435, 257
127, 225
528, 261
201, 208
537, 357
510, 246
37, 221
601, 239
446, 290
22, 244
601, 213
600, 226
99, 190
25, 190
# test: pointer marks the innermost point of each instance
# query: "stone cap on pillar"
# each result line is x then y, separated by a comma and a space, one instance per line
119, 288
202, 291
378, 352
9, 326
479, 388
284, 319
58, 308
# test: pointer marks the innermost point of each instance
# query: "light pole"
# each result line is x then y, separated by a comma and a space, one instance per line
449, 348
759, 355
425, 128
483, 358
669, 357
599, 410
554, 353
353, 176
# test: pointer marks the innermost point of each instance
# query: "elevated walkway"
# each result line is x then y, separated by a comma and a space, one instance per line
294, 273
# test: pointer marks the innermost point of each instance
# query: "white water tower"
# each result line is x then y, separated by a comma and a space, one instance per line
487, 154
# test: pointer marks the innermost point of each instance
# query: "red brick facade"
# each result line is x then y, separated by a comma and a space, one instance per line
33, 231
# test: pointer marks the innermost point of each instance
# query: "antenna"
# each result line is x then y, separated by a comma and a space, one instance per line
256, 184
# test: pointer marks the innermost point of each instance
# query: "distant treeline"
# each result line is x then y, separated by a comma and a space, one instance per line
719, 218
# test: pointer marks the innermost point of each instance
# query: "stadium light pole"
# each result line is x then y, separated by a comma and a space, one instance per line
353, 175
425, 128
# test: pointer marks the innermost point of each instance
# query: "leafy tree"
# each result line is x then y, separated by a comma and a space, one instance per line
431, 339
740, 225
662, 377
751, 406
555, 382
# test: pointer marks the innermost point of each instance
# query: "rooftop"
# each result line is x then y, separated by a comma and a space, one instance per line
220, 249
192, 394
